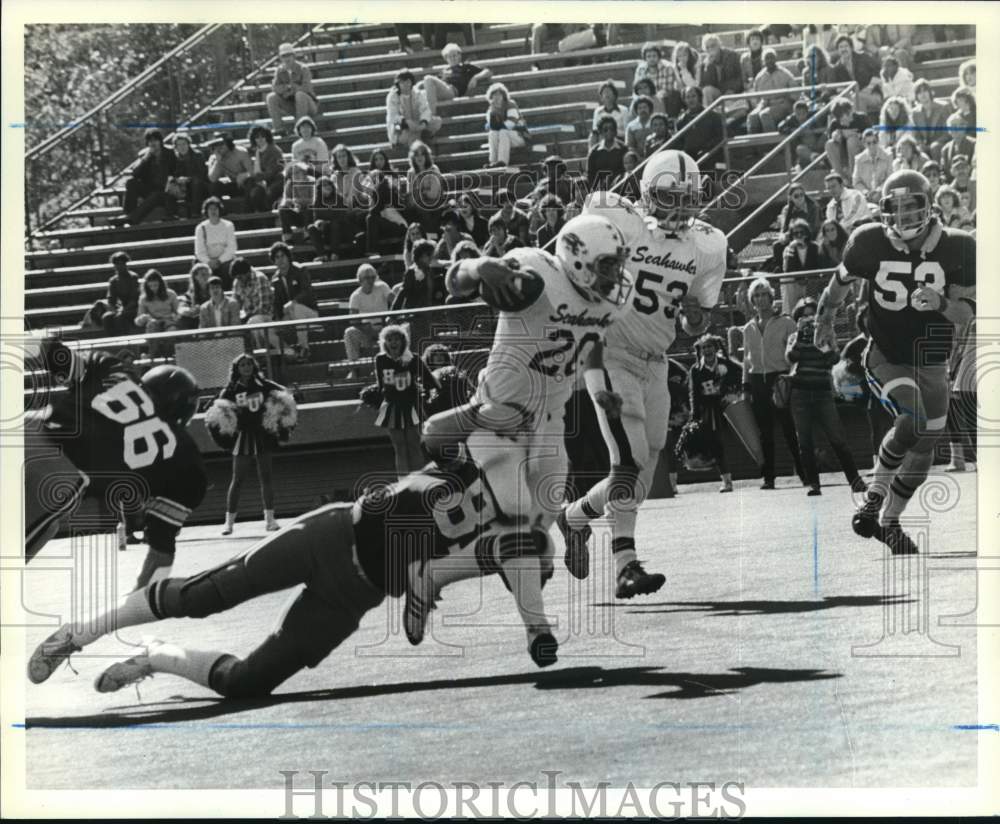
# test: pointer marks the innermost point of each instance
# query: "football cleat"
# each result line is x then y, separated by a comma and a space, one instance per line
891, 534
865, 520
577, 557
542, 647
50, 654
634, 580
420, 599
124, 673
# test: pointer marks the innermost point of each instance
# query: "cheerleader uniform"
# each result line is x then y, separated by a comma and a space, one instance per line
251, 438
709, 386
398, 380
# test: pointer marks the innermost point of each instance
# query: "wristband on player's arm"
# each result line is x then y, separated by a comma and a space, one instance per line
597, 380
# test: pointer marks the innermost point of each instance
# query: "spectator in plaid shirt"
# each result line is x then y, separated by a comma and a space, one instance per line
253, 292
664, 77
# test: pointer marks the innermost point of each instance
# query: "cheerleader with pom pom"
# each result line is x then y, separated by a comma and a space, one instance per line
250, 417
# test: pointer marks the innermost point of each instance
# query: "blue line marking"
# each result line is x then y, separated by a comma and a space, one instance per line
992, 727
815, 554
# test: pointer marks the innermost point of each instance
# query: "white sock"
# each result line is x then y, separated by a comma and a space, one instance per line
130, 611
193, 664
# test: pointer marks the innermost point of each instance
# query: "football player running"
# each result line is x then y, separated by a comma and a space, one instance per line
922, 277
678, 263
554, 312
349, 557
113, 438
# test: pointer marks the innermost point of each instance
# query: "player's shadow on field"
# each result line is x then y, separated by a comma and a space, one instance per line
684, 685
762, 607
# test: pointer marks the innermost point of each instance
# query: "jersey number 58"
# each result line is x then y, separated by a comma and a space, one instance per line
144, 435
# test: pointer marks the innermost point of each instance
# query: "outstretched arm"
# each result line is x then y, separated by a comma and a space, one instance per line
832, 297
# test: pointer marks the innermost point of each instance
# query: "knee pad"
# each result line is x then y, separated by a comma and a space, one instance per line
623, 483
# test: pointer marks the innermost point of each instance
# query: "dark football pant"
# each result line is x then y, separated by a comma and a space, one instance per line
917, 397
53, 488
316, 550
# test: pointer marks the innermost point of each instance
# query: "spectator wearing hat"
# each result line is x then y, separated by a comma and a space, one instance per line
309, 148
844, 136
407, 113
457, 79
713, 381
707, 133
372, 297
268, 177
770, 111
811, 400
801, 254
293, 295
505, 127
721, 72
607, 93
189, 181
872, 167
667, 85
551, 210
929, 120
846, 206
145, 190
253, 292
230, 170
895, 80
122, 301
659, 133
215, 240
422, 285
218, 310
640, 128
864, 70
451, 236
808, 141
291, 89
604, 161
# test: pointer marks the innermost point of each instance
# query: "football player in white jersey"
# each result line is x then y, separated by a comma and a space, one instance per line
677, 263
554, 313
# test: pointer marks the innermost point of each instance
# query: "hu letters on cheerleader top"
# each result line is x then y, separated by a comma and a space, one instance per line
399, 379
251, 401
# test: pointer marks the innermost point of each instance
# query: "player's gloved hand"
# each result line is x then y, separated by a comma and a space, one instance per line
500, 279
925, 299
610, 402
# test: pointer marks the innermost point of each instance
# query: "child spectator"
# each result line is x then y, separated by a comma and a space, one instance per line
639, 128
895, 120
422, 286
551, 209
664, 76
218, 310
607, 93
505, 128
373, 296
145, 190
215, 240
908, 155
832, 240
189, 181
714, 381
458, 78
770, 110
293, 295
895, 80
291, 90
407, 113
158, 311
309, 148
687, 64
267, 180
229, 168
872, 167
929, 120
846, 206
844, 132
122, 298
932, 171
189, 304
721, 72
604, 161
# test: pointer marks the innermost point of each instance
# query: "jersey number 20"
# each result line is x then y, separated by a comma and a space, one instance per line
893, 293
145, 436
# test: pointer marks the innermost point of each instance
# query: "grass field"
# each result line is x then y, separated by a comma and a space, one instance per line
759, 661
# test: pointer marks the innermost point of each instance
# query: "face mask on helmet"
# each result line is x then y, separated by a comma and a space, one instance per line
610, 280
905, 216
674, 207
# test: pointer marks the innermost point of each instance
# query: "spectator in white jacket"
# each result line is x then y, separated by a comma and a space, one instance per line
847, 207
407, 113
896, 81
505, 126
215, 241
871, 167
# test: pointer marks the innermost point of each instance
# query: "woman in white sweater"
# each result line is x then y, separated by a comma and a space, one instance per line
215, 241
505, 126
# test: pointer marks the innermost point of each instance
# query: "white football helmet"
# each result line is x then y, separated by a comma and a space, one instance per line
620, 211
671, 189
593, 251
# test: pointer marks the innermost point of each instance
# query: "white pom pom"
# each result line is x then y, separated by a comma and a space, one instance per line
280, 412
222, 417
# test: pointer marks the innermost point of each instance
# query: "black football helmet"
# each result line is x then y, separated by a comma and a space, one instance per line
174, 393
905, 205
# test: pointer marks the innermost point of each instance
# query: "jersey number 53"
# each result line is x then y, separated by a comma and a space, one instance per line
891, 290
672, 295
145, 436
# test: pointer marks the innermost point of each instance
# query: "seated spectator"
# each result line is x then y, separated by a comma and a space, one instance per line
961, 178
844, 131
808, 143
627, 183
967, 74
640, 128
422, 285
770, 110
551, 209
471, 222
658, 135
514, 219
229, 168
158, 311
407, 113
822, 36
189, 304
218, 310
752, 60
643, 89
565, 37
704, 135
908, 155
818, 71
963, 120
302, 192
414, 233
932, 171
774, 33
93, 318
800, 255
215, 240
895, 120
384, 223
373, 296
832, 240
949, 207
145, 190
293, 295
720, 70
253, 293
425, 187
466, 249
798, 207
846, 206
267, 180
667, 86
604, 161
895, 80
122, 300
451, 236
458, 78
505, 128
687, 64
291, 90
872, 167
864, 70
309, 148
500, 242
607, 93
189, 181
337, 220
929, 120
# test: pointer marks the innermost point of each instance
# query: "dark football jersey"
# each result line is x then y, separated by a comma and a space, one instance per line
107, 426
893, 272
425, 515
